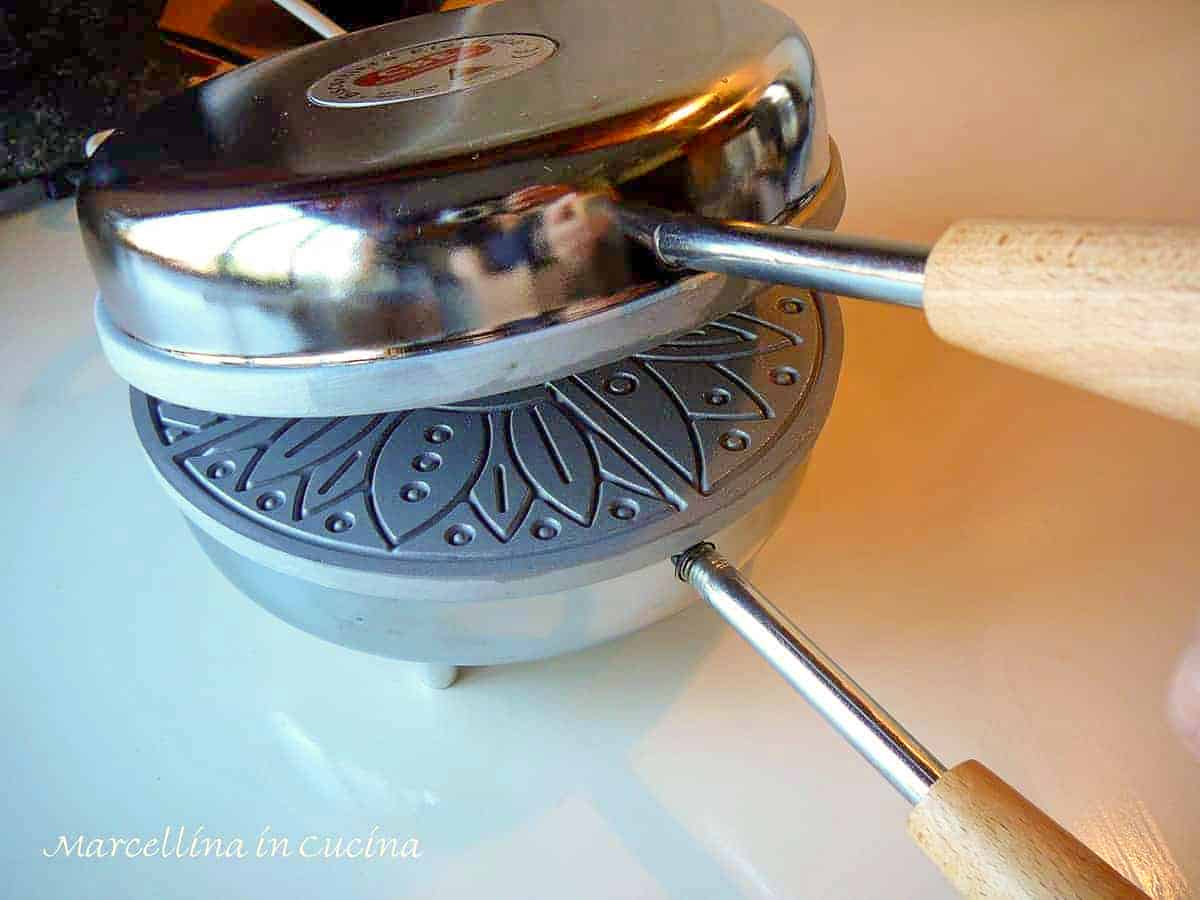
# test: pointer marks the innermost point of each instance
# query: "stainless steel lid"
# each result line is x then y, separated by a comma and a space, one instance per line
421, 213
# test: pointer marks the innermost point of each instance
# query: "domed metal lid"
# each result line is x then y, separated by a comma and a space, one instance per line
422, 213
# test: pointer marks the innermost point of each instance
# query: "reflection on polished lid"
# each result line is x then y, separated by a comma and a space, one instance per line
446, 181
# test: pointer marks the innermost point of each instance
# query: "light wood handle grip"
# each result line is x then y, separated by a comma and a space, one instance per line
989, 841
1111, 308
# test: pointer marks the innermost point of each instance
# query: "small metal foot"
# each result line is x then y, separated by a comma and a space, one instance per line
438, 676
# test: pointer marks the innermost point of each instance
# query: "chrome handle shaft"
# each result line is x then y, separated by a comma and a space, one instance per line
810, 258
895, 753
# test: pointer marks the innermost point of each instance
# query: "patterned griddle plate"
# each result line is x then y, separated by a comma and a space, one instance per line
538, 479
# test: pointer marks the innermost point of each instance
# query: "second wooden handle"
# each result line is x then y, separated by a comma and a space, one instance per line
1111, 308
989, 841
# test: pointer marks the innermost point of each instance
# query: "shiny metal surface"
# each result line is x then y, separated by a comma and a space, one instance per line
851, 266
886, 745
242, 225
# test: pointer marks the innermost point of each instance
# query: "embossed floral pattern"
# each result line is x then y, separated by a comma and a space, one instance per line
558, 464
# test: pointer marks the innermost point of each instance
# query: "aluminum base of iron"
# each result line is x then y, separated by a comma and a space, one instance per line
398, 532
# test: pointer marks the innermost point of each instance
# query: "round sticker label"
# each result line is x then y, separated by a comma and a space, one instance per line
431, 69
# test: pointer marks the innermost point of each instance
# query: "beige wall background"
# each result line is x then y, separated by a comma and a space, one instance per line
1011, 563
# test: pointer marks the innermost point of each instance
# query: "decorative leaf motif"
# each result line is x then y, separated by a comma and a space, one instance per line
500, 497
306, 442
181, 421
720, 394
439, 449
554, 457
335, 476
738, 335
624, 471
644, 403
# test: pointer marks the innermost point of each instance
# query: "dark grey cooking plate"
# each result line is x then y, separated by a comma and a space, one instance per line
548, 488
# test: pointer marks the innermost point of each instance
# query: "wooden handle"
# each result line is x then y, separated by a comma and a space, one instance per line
989, 841
1111, 308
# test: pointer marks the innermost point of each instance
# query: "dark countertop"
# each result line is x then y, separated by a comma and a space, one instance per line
69, 69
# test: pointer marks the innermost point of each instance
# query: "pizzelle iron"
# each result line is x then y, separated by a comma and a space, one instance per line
342, 248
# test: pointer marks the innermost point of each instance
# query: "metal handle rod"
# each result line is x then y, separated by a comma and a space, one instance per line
895, 753
810, 258
312, 17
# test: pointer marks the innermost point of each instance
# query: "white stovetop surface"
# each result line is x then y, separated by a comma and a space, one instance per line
1010, 565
